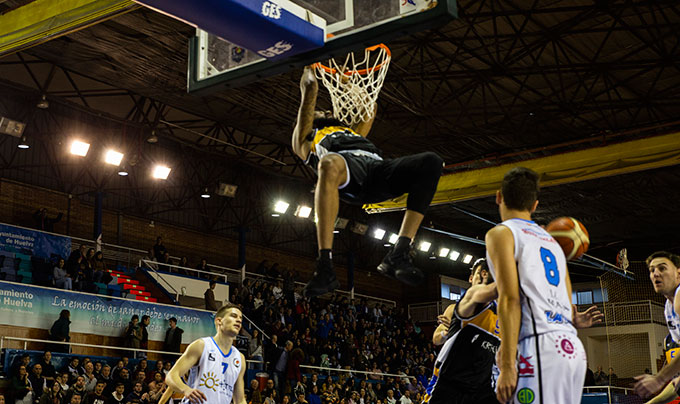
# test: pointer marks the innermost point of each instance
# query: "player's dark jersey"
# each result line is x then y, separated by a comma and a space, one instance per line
338, 139
465, 362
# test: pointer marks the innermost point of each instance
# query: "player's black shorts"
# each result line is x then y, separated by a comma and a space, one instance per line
372, 180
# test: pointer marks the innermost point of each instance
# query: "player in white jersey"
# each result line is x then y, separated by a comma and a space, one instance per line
538, 337
664, 272
214, 365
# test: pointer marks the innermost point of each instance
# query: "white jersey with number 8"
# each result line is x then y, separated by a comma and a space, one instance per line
216, 373
541, 268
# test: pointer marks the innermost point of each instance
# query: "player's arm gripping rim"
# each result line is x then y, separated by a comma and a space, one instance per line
239, 390
189, 358
303, 127
646, 385
500, 247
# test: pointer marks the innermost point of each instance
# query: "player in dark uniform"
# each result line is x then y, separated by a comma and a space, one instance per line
351, 168
470, 335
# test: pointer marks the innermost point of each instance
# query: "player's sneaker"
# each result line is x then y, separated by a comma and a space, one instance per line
399, 265
323, 281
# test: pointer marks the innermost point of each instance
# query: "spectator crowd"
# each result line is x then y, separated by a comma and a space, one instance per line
86, 381
337, 334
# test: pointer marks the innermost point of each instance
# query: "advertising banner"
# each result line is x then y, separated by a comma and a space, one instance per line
39, 244
38, 307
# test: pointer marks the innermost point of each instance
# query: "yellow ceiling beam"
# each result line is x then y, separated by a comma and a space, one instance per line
43, 20
564, 168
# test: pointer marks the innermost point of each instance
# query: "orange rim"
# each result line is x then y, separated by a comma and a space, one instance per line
362, 72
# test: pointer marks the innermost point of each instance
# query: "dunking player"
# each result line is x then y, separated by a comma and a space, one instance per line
350, 167
214, 365
469, 332
534, 302
664, 272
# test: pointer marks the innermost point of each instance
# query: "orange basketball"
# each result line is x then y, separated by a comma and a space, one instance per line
571, 235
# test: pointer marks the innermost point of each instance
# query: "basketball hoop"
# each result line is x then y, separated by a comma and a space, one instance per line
354, 86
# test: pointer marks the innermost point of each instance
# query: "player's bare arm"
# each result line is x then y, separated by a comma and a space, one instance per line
364, 127
586, 318
646, 385
500, 247
477, 294
440, 334
305, 119
239, 390
166, 395
189, 358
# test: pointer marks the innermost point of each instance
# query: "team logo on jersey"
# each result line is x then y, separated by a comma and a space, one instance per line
554, 317
526, 396
565, 347
211, 357
209, 381
526, 369
237, 362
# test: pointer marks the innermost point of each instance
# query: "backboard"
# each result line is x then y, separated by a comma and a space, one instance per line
351, 25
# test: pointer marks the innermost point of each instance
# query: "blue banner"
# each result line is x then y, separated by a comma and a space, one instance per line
33, 242
38, 307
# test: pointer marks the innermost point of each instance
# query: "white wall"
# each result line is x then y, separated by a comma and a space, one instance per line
629, 349
192, 287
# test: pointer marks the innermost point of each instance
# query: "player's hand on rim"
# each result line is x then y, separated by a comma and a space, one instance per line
506, 384
647, 385
308, 77
196, 396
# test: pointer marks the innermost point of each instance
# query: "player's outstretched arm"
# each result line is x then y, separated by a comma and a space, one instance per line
239, 389
477, 294
442, 331
305, 119
667, 395
646, 385
189, 358
500, 246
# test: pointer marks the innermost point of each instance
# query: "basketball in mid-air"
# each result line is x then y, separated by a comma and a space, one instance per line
571, 235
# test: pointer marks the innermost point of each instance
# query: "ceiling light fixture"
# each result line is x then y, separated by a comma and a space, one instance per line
425, 246
23, 144
113, 157
379, 233
281, 207
161, 172
79, 148
303, 211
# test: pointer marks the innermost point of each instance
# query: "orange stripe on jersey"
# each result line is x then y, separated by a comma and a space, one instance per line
323, 132
487, 321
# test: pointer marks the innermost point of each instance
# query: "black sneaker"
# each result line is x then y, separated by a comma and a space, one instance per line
399, 265
323, 281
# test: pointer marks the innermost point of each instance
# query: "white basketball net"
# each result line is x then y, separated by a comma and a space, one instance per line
354, 86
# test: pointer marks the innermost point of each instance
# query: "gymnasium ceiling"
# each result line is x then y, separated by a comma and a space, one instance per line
506, 81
